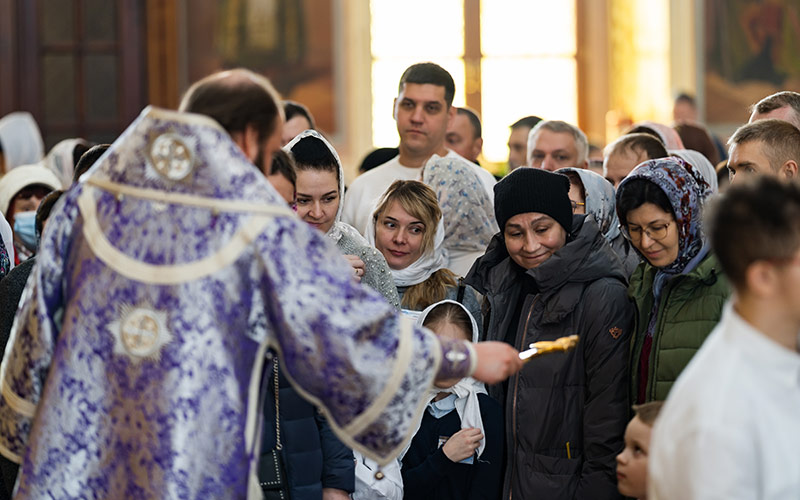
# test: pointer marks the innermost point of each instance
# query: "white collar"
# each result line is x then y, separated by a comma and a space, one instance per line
772, 358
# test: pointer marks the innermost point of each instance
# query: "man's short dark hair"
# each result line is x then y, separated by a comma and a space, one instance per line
527, 122
638, 142
44, 209
780, 139
293, 108
283, 164
311, 153
428, 72
695, 136
473, 120
687, 98
236, 99
785, 98
376, 158
755, 220
88, 159
78, 151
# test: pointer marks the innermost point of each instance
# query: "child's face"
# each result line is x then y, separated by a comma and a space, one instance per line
632, 462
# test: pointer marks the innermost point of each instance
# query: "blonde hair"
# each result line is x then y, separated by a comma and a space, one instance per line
420, 202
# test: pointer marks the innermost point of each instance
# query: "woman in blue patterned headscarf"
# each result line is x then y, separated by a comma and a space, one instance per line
678, 290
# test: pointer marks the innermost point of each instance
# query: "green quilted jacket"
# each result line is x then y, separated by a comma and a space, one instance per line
691, 305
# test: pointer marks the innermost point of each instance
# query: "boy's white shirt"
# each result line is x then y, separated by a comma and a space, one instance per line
730, 428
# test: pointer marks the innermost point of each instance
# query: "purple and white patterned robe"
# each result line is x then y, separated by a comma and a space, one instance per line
134, 364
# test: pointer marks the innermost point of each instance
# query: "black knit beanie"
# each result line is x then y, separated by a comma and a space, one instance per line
529, 189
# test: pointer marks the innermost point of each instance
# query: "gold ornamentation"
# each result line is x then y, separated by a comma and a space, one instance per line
171, 157
562, 344
140, 333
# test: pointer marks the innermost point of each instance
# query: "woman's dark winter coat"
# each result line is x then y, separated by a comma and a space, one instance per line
565, 413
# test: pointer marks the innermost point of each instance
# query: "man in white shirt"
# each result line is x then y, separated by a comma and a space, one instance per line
730, 428
423, 109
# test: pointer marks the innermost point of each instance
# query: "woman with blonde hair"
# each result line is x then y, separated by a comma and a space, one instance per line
407, 229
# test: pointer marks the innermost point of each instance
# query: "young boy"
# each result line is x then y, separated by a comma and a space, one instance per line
729, 428
632, 462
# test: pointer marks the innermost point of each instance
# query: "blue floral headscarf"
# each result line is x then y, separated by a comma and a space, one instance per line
686, 190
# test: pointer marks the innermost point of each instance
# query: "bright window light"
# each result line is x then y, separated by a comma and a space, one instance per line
527, 28
528, 65
521, 86
528, 68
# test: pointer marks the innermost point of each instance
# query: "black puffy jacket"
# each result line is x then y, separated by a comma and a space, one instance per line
565, 414
314, 457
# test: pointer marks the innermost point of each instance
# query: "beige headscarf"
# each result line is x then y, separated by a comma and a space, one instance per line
20, 140
61, 161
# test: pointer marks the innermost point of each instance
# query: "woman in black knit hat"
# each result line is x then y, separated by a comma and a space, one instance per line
547, 274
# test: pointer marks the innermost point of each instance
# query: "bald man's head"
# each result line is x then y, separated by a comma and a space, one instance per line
245, 104
235, 99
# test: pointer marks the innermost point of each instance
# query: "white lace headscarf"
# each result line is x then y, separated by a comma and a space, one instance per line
467, 389
20, 139
339, 228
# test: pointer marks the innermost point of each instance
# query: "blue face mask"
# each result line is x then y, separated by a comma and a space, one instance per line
25, 229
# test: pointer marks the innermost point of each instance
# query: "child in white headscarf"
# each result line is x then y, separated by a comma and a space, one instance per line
457, 450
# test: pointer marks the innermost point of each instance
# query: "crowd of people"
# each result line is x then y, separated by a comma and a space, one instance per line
204, 309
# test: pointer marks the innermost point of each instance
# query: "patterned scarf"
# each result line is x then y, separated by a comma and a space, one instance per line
686, 190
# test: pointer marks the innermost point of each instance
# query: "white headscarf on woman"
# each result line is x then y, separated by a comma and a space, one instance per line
600, 200
467, 211
20, 140
467, 389
338, 228
701, 164
667, 134
428, 263
61, 161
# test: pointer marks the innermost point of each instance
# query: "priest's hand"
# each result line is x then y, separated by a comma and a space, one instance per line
496, 362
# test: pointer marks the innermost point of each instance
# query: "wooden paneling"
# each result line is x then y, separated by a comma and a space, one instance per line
472, 54
8, 58
162, 52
